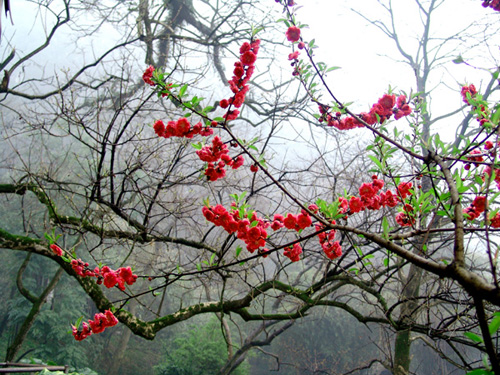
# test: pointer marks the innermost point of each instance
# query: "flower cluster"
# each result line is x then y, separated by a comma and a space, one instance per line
243, 71
381, 111
99, 324
293, 252
148, 74
495, 220
147, 77
252, 230
487, 172
475, 157
217, 157
331, 248
494, 4
468, 92
470, 96
82, 268
181, 128
249, 228
406, 217
56, 249
120, 277
371, 197
476, 208
105, 275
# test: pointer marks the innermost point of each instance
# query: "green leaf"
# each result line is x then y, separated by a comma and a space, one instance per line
376, 161
386, 262
257, 30
473, 337
494, 325
478, 179
496, 116
198, 266
182, 91
385, 226
332, 69
480, 371
212, 258
458, 60
354, 269
238, 251
197, 146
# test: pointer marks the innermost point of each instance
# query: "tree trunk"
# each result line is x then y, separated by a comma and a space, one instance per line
121, 348
14, 348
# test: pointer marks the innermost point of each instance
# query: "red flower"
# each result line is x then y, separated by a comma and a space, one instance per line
294, 55
404, 189
159, 128
332, 250
290, 221
244, 48
313, 208
82, 334
56, 249
248, 58
126, 274
387, 101
293, 34
404, 220
304, 220
356, 205
238, 162
495, 221
471, 90
293, 253
479, 203
148, 74
366, 191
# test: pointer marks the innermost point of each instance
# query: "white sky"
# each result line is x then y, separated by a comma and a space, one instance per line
345, 39
369, 59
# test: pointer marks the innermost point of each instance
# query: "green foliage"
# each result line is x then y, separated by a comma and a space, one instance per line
85, 371
198, 351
